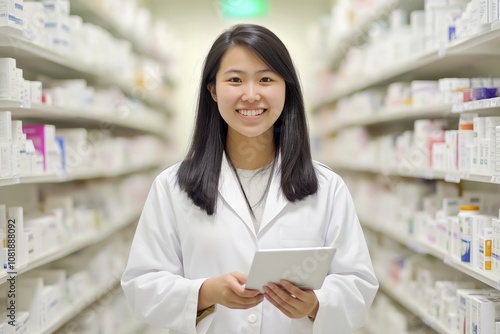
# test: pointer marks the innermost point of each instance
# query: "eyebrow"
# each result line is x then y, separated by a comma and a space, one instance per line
233, 70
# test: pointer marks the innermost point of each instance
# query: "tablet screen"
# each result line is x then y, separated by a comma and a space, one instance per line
304, 267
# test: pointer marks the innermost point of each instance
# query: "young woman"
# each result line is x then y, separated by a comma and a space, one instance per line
247, 183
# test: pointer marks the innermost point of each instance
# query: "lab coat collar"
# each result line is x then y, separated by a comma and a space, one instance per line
231, 193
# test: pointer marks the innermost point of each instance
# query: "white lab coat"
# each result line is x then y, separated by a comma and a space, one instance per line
177, 246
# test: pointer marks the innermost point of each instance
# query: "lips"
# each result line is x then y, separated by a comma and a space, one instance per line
251, 112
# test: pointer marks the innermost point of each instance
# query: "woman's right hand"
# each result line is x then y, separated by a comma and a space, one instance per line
228, 290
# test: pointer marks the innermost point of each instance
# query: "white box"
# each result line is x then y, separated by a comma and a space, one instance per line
29, 299
484, 311
463, 305
7, 78
485, 250
36, 92
495, 246
18, 84
34, 23
8, 14
476, 228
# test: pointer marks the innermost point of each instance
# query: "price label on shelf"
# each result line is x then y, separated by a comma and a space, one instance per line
495, 179
416, 247
428, 174
455, 178
16, 180
493, 102
486, 103
448, 260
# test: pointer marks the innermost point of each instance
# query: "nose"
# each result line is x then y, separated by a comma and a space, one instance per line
251, 93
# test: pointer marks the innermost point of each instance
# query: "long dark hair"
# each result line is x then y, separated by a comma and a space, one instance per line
199, 173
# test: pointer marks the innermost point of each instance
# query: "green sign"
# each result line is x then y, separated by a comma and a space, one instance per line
240, 9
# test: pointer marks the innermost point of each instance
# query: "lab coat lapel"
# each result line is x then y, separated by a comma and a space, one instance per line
276, 200
230, 191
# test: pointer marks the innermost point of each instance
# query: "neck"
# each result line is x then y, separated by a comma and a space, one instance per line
250, 153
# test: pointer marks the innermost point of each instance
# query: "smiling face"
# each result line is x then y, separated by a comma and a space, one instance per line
250, 96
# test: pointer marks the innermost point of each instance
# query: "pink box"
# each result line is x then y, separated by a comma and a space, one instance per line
43, 137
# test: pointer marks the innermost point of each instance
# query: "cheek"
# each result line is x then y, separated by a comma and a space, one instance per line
227, 94
277, 98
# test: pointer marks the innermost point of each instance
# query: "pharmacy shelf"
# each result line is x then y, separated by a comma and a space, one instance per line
360, 33
487, 278
424, 248
154, 123
393, 116
79, 306
407, 115
480, 275
405, 240
80, 243
428, 174
481, 50
480, 107
87, 175
92, 13
402, 298
35, 58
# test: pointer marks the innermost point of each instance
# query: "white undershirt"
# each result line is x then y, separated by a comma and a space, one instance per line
254, 183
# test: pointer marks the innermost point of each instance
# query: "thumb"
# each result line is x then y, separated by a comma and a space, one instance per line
242, 278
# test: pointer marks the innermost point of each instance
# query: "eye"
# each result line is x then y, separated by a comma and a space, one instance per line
266, 79
236, 80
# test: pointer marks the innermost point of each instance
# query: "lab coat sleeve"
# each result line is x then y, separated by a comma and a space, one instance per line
153, 280
349, 289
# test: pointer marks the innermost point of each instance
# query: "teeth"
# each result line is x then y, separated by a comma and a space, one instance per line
247, 112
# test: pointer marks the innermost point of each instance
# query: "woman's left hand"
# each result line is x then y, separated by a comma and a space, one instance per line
292, 301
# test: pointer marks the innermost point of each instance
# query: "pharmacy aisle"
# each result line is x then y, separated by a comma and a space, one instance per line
84, 115
410, 88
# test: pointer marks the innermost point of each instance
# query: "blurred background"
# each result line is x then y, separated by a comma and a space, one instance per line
98, 96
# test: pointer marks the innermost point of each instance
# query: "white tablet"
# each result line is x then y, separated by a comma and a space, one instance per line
304, 267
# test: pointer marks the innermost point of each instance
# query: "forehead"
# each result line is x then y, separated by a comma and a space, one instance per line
241, 58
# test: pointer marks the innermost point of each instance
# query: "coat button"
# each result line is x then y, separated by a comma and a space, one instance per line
252, 318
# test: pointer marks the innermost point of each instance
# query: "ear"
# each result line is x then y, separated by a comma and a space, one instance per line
211, 89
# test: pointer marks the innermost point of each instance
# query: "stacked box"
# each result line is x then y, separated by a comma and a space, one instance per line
497, 149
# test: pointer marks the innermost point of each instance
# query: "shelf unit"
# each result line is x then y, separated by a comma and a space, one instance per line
359, 33
73, 246
74, 310
410, 305
423, 248
459, 59
407, 115
429, 174
88, 175
152, 123
435, 64
36, 60
93, 13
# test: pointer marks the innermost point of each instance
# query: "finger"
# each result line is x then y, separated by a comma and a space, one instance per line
277, 302
250, 293
282, 293
244, 303
281, 297
242, 278
295, 291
